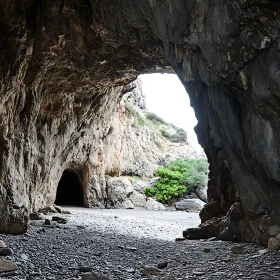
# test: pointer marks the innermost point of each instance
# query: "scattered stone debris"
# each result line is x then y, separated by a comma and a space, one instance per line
206, 250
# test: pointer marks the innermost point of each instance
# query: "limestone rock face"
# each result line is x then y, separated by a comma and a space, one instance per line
65, 64
134, 145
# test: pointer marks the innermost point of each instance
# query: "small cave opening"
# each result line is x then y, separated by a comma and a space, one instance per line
69, 190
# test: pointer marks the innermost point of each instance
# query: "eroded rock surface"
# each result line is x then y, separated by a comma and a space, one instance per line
65, 64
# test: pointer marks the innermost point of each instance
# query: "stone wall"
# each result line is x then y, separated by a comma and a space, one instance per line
64, 65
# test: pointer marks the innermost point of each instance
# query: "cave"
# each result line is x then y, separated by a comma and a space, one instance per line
69, 190
65, 64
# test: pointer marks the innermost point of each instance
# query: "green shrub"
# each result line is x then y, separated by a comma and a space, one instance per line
131, 112
155, 119
177, 176
149, 191
165, 133
179, 136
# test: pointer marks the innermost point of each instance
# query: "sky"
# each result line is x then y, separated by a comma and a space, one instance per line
167, 97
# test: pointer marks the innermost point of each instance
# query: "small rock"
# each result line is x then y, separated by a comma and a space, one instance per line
212, 239
7, 265
131, 248
198, 273
2, 244
59, 220
206, 250
24, 257
85, 269
58, 208
226, 260
6, 252
130, 270
273, 244
238, 249
64, 211
162, 265
151, 270
36, 216
48, 222
180, 239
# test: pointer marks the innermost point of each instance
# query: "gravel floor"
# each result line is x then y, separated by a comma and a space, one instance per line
117, 243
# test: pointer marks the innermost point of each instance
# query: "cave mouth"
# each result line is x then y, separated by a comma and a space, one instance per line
69, 190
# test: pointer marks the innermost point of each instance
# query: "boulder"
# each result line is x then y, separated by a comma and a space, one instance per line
138, 199
152, 204
189, 205
127, 204
118, 190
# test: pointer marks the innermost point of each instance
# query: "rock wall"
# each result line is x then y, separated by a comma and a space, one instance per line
64, 65
134, 145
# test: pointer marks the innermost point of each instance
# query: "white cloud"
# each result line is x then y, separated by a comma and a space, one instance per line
167, 97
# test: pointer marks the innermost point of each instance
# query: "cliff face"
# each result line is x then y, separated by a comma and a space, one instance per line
134, 144
64, 65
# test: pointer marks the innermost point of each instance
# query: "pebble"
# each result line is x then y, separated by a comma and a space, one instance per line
206, 250
238, 249
6, 252
162, 265
2, 244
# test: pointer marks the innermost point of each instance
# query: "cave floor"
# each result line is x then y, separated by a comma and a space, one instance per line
117, 243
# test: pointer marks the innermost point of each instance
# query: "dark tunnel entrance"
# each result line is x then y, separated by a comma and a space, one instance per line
69, 191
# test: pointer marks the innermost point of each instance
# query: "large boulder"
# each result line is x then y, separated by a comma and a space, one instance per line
118, 190
152, 204
138, 199
189, 205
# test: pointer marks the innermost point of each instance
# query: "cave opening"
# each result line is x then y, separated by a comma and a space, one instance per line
69, 190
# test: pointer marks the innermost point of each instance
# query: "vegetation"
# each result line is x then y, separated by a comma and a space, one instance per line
177, 176
179, 136
155, 119
149, 191
131, 112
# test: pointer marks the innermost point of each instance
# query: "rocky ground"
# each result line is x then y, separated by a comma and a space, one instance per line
131, 244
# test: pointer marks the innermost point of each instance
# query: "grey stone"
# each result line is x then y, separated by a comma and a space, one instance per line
36, 216
7, 265
6, 252
189, 205
152, 204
